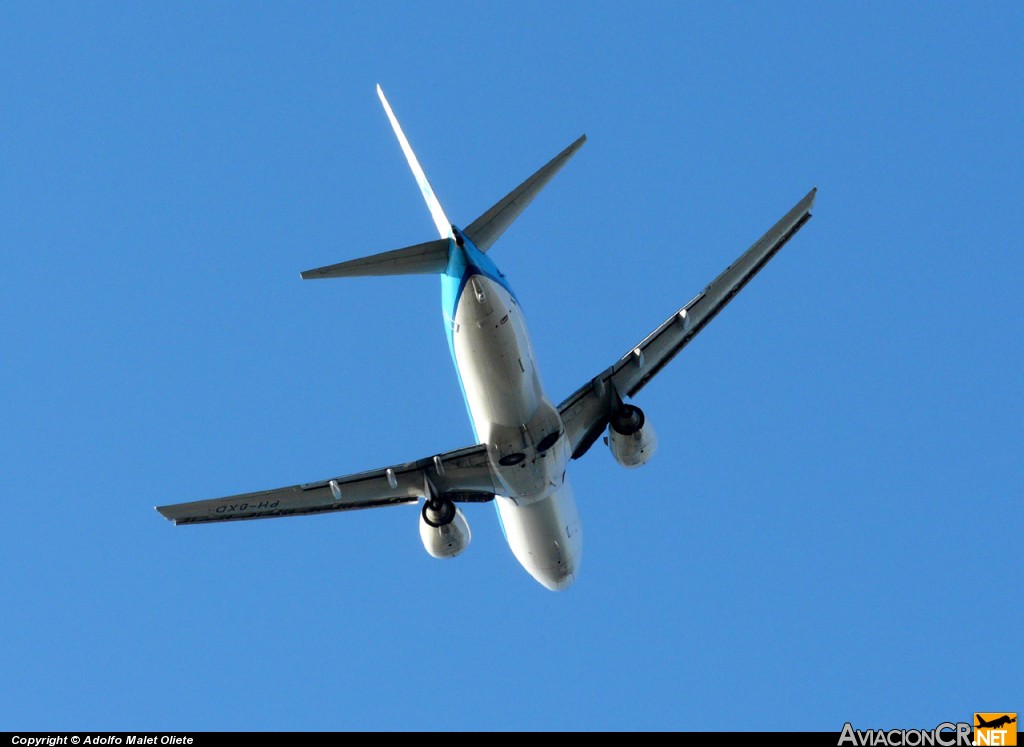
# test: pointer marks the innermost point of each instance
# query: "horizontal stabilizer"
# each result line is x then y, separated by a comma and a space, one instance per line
421, 259
486, 229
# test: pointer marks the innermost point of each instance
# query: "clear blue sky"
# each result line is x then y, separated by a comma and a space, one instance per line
831, 528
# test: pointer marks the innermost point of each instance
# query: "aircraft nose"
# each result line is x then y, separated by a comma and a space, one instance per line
556, 570
556, 578
559, 584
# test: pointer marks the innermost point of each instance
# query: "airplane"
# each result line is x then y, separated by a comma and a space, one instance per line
995, 723
524, 442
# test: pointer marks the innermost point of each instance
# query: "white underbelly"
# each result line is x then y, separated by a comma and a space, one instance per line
545, 536
503, 392
523, 430
494, 357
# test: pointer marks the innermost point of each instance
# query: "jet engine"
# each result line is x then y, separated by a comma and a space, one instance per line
443, 529
630, 437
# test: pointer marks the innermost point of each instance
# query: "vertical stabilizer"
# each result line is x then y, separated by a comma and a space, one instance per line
444, 227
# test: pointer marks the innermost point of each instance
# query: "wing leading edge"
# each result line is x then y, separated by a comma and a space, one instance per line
585, 413
462, 476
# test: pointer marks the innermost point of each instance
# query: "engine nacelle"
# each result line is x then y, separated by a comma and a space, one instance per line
630, 437
443, 530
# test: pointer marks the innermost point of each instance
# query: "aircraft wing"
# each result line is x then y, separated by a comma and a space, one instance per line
585, 413
462, 476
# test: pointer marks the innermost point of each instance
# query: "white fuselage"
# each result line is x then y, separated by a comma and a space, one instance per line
523, 431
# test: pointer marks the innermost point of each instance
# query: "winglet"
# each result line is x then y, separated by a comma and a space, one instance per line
444, 226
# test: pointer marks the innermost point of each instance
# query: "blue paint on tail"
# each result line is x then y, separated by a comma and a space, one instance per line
464, 262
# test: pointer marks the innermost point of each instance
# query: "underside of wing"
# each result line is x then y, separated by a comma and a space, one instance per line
460, 476
585, 413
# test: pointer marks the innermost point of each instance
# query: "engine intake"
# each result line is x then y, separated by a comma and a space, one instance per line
630, 437
443, 529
